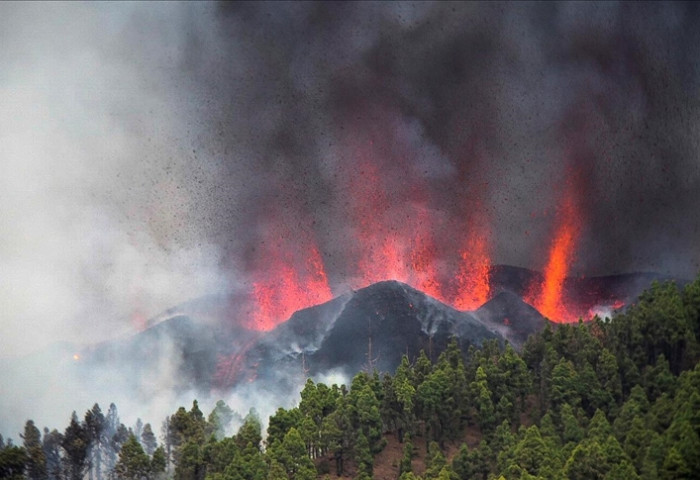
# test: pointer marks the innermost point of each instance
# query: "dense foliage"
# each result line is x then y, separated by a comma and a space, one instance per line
608, 399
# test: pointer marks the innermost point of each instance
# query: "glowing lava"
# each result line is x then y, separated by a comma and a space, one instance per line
230, 369
550, 297
287, 288
381, 243
393, 235
473, 282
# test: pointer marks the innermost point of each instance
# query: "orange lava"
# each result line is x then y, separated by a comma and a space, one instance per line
286, 288
473, 281
231, 369
381, 242
423, 273
391, 247
389, 215
549, 298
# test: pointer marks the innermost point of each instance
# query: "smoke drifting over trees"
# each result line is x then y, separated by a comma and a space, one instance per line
155, 153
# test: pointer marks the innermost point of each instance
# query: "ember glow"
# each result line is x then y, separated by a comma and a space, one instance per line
424, 273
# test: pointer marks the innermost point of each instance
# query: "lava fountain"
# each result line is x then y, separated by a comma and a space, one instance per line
473, 283
549, 296
285, 288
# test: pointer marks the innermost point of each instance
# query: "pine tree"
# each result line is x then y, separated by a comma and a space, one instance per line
434, 461
158, 462
250, 432
281, 422
587, 462
291, 454
13, 462
95, 423
407, 457
75, 443
148, 439
133, 463
531, 453
363, 456
36, 459
51, 444
190, 464
112, 437
220, 419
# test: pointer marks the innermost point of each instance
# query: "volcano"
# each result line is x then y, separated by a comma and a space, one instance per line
511, 317
207, 344
368, 329
206, 348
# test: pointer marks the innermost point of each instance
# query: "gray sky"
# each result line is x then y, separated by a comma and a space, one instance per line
148, 150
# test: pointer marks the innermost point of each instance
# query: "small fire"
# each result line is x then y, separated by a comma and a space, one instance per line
76, 357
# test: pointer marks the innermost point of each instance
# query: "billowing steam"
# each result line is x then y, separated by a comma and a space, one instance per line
156, 153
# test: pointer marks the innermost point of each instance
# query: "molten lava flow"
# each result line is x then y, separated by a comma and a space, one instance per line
388, 205
471, 285
231, 369
550, 298
473, 281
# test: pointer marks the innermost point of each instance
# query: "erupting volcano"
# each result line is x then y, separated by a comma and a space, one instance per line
292, 273
412, 243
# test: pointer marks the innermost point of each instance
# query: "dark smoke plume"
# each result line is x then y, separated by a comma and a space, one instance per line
485, 107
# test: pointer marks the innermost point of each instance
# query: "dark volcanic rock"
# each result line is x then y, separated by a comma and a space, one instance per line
384, 321
181, 342
512, 279
370, 328
509, 315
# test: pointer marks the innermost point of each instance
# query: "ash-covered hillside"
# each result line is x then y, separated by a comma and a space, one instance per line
371, 328
209, 347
